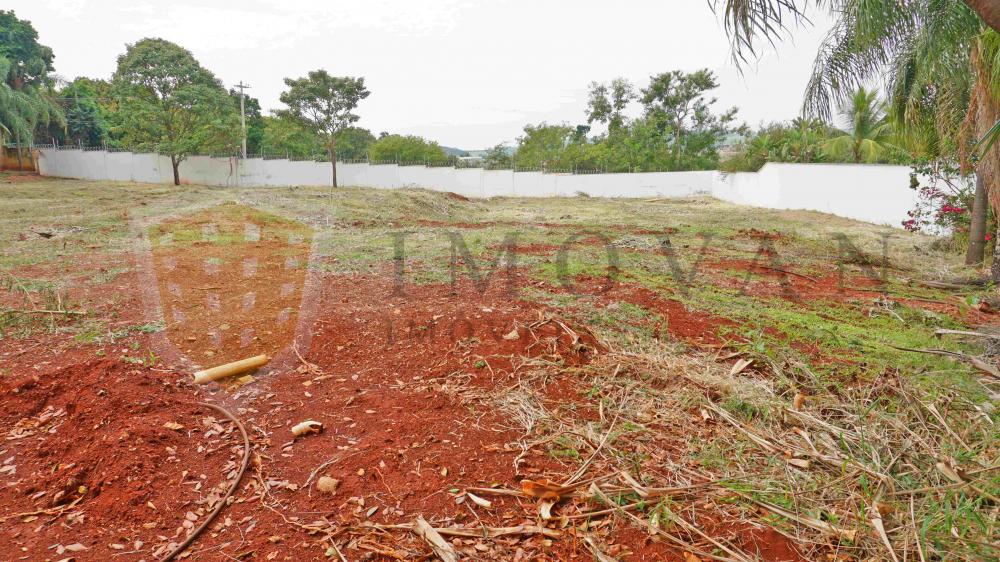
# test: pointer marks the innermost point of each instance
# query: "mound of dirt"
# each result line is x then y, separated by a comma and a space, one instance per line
122, 451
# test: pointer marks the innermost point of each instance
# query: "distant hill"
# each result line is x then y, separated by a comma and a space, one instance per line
452, 151
510, 150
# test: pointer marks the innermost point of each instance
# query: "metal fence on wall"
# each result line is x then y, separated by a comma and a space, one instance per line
874, 193
450, 162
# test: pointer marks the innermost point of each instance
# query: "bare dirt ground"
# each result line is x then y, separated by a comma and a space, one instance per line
680, 380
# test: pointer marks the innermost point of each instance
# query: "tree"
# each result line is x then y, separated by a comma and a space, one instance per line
607, 103
406, 149
169, 103
324, 105
800, 140
26, 100
543, 146
941, 62
353, 143
282, 136
677, 103
86, 116
869, 135
984, 108
498, 157
749, 21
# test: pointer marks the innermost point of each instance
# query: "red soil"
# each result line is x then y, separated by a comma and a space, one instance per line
691, 326
20, 177
757, 234
225, 301
765, 280
410, 389
93, 436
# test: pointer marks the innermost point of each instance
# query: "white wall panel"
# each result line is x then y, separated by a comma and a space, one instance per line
878, 194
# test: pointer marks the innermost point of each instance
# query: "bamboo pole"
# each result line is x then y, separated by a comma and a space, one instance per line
230, 369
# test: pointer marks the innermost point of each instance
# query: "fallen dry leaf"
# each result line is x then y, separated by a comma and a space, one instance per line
481, 502
739, 366
798, 401
543, 489
441, 547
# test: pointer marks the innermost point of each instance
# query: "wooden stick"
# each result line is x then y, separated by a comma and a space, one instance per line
976, 362
943, 331
230, 369
441, 547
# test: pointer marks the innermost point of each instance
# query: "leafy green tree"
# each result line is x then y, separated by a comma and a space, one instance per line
543, 146
800, 141
407, 149
26, 100
869, 136
168, 103
324, 105
282, 136
86, 115
353, 143
498, 157
677, 103
679, 131
607, 103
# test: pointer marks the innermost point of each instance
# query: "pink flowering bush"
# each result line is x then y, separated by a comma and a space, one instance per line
944, 200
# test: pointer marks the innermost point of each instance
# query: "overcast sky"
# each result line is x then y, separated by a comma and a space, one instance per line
468, 74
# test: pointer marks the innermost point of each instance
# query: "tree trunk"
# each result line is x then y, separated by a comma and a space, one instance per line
20, 164
989, 10
995, 266
977, 228
175, 163
677, 149
333, 162
984, 111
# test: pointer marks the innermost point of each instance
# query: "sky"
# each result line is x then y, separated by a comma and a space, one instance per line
468, 74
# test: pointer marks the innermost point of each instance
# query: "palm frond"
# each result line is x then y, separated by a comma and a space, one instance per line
749, 21
990, 139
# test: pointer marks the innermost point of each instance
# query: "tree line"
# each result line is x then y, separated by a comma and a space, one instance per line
939, 108
161, 99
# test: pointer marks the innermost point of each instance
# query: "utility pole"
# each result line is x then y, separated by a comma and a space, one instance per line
243, 116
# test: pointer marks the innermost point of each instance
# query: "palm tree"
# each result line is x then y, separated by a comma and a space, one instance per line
942, 64
931, 42
749, 21
869, 136
23, 107
940, 57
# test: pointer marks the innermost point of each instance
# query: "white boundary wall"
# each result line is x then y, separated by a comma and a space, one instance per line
878, 194
871, 193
